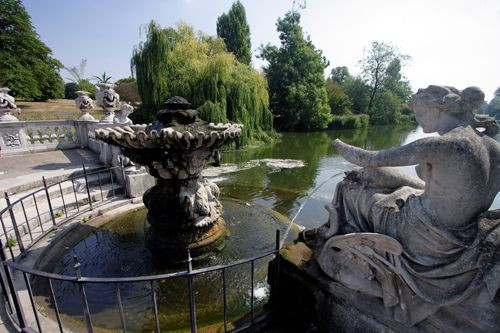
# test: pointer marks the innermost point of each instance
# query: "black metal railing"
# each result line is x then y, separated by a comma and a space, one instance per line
10, 268
16, 218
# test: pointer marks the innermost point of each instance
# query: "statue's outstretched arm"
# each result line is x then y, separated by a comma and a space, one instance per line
413, 153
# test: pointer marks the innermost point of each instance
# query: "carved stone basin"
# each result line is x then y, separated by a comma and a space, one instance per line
183, 209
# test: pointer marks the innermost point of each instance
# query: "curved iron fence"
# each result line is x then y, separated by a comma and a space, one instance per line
84, 199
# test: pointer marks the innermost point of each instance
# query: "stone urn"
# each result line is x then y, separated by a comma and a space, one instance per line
108, 100
7, 105
84, 103
183, 208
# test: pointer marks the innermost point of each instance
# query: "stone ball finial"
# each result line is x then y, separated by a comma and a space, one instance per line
177, 103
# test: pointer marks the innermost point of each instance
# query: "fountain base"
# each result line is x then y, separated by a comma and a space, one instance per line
174, 244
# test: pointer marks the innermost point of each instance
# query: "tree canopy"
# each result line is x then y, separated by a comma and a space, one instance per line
381, 71
493, 108
26, 64
234, 30
298, 97
196, 66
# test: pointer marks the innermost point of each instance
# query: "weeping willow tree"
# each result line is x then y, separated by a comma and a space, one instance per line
150, 64
196, 66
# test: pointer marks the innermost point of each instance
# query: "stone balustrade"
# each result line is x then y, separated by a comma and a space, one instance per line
23, 137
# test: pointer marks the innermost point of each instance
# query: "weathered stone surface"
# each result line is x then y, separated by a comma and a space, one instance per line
108, 99
183, 209
85, 104
7, 105
421, 245
122, 116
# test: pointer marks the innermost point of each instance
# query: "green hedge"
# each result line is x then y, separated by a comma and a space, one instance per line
350, 121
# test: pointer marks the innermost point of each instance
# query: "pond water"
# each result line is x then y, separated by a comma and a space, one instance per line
287, 190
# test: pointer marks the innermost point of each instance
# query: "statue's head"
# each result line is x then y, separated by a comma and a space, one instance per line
436, 106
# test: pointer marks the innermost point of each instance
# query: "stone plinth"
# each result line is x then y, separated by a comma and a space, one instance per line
307, 299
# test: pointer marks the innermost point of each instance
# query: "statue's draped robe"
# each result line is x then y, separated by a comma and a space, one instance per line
441, 265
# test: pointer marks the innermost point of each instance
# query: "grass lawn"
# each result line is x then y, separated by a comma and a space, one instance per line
54, 109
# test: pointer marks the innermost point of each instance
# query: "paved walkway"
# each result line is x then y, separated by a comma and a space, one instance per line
19, 173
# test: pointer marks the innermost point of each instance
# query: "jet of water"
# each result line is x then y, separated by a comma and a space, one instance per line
285, 234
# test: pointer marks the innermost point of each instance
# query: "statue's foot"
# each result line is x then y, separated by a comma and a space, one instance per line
333, 222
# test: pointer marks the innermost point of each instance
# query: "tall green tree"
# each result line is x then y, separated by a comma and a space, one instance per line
26, 63
338, 100
234, 30
150, 60
377, 65
340, 75
298, 97
199, 68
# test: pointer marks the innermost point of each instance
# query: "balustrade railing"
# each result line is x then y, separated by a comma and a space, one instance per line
22, 137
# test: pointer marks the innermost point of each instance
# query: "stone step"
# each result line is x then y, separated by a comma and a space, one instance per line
38, 215
66, 187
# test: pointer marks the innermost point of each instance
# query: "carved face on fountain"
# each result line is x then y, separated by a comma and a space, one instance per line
83, 101
175, 149
106, 97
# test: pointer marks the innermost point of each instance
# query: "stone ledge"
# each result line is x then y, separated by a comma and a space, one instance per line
309, 301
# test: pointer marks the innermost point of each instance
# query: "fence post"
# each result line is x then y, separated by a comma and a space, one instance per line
85, 304
2, 283
48, 201
277, 265
123, 171
13, 291
14, 225
87, 186
192, 303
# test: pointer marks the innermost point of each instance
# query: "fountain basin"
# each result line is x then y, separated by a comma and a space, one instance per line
118, 249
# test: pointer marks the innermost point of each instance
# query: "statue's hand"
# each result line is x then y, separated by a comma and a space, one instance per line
350, 153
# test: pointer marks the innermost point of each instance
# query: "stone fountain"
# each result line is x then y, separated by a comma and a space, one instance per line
183, 209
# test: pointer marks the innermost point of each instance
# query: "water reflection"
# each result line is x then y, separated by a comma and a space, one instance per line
286, 190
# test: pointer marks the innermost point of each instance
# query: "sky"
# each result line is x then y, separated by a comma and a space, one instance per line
451, 42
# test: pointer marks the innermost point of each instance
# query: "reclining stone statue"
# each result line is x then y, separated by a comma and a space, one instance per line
422, 244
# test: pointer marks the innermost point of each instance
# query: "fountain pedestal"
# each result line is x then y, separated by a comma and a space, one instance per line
183, 209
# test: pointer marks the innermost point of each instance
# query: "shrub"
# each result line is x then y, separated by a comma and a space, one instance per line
86, 85
127, 90
350, 121
70, 90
